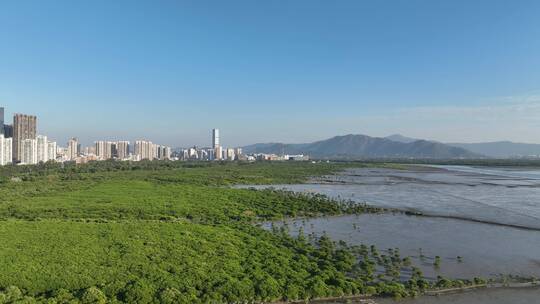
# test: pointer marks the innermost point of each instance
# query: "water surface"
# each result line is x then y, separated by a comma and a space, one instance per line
486, 250
476, 211
486, 296
502, 196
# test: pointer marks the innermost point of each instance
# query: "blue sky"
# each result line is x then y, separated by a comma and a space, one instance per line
261, 71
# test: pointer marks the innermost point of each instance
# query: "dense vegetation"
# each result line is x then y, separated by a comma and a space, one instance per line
171, 232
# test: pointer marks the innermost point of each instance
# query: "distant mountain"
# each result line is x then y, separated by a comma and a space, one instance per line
362, 146
501, 149
402, 139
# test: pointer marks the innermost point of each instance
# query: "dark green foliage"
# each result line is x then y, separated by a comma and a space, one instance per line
171, 232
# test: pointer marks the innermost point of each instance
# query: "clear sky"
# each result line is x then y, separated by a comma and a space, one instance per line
263, 71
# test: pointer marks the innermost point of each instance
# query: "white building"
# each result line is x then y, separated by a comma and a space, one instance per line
230, 154
144, 149
51, 150
104, 149
29, 155
100, 149
6, 152
72, 149
167, 151
155, 152
218, 153
42, 148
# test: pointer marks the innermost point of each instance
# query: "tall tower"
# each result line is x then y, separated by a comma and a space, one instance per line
24, 127
1, 120
215, 138
28, 152
73, 148
5, 150
42, 148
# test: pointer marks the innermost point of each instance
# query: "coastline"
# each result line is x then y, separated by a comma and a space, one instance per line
367, 299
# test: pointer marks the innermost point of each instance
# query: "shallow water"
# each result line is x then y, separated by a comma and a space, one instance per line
487, 296
504, 196
480, 296
486, 250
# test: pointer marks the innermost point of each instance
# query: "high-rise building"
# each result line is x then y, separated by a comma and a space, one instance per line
215, 138
2, 120
109, 149
230, 154
144, 149
87, 151
28, 151
167, 151
238, 152
51, 150
100, 149
42, 146
164, 152
218, 153
73, 149
8, 131
6, 156
155, 152
122, 149
24, 127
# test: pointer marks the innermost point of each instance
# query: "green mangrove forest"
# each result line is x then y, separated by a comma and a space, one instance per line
177, 232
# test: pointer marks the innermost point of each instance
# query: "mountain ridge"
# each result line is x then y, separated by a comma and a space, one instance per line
501, 149
357, 146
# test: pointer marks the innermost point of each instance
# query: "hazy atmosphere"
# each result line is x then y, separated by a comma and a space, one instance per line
273, 71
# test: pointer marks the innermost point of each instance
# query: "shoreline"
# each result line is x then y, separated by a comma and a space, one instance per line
387, 210
367, 299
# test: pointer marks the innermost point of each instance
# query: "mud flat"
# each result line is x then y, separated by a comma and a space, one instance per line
485, 250
488, 217
510, 198
482, 296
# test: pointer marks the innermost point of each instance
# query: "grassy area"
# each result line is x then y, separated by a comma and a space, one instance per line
163, 232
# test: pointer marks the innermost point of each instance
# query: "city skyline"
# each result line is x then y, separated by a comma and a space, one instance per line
301, 71
22, 143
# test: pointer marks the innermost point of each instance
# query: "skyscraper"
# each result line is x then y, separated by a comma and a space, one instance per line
8, 131
51, 150
167, 151
42, 148
28, 151
5, 150
215, 138
24, 127
1, 120
73, 149
144, 149
218, 153
100, 150
122, 149
231, 154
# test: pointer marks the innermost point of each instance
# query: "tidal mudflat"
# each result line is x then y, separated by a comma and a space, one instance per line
480, 221
483, 296
484, 250
498, 196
